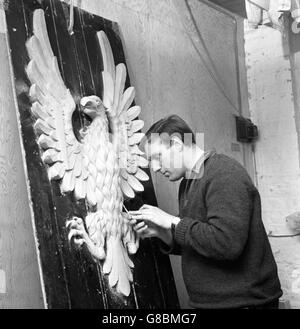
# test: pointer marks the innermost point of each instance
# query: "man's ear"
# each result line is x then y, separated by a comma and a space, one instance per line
177, 142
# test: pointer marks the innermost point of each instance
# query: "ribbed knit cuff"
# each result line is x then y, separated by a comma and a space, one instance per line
181, 229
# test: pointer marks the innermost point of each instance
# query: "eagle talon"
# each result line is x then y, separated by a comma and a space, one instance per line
80, 237
77, 231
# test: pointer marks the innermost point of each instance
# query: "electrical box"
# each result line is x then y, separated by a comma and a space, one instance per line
246, 130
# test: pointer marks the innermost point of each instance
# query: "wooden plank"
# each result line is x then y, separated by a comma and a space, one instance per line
72, 279
43, 206
18, 259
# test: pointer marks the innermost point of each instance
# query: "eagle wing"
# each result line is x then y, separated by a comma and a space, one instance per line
53, 106
123, 119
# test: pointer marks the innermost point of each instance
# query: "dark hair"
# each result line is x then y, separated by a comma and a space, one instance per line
170, 126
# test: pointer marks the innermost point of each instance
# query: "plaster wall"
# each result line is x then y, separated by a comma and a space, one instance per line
272, 107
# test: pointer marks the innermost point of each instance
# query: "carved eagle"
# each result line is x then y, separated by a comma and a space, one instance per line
105, 166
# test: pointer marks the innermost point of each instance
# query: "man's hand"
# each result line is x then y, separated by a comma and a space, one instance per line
154, 215
150, 230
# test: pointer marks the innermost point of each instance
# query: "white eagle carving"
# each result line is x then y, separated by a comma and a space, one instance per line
99, 169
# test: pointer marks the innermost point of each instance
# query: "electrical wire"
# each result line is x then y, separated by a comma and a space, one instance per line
212, 70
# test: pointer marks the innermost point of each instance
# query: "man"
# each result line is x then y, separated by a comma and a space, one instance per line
227, 261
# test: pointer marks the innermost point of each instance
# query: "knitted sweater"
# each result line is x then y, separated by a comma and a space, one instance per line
227, 261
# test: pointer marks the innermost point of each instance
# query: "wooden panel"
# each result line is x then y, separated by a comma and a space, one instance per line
71, 278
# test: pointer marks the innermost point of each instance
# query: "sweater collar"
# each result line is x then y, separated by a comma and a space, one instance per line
198, 170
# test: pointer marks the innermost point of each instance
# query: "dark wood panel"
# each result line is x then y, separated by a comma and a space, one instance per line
72, 279
87, 271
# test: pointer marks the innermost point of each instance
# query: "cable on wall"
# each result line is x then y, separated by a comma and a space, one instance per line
209, 64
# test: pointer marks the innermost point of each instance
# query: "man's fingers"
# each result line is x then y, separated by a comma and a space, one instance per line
146, 235
145, 206
135, 212
147, 217
139, 226
138, 217
132, 222
142, 230
145, 214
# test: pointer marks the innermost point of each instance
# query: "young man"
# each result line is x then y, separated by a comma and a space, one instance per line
227, 261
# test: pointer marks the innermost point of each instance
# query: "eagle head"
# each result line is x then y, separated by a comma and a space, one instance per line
92, 106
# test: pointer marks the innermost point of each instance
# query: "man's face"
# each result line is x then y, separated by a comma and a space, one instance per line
166, 159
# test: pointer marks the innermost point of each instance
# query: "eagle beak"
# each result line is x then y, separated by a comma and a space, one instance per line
92, 106
87, 102
88, 107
